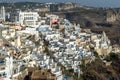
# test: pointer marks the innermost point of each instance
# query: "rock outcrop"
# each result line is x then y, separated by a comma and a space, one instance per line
113, 15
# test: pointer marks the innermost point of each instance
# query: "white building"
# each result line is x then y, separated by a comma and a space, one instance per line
28, 18
2, 14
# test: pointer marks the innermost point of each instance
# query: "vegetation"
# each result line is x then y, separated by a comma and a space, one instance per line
97, 70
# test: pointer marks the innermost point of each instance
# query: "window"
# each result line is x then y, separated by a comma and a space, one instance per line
28, 18
0, 75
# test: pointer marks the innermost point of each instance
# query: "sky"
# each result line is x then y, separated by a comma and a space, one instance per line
93, 3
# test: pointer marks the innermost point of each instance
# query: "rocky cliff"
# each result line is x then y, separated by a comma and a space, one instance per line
113, 15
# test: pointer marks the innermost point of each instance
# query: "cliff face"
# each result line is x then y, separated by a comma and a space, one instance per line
113, 15
67, 6
101, 71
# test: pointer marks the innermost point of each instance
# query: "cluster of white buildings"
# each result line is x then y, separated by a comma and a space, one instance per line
10, 68
67, 46
46, 62
65, 49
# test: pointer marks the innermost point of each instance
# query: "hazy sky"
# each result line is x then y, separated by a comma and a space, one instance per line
96, 3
